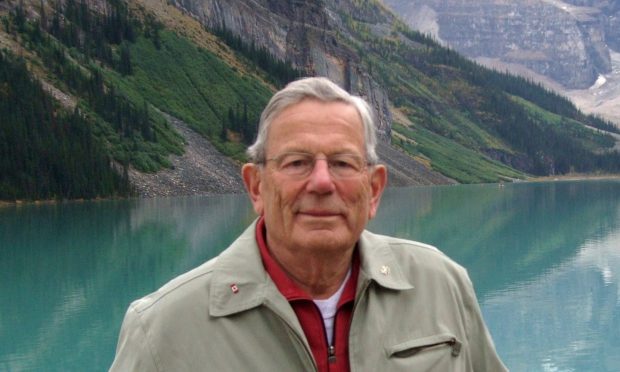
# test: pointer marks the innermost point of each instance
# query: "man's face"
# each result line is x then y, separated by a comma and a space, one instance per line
317, 211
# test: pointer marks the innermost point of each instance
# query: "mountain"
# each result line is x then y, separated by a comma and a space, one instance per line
170, 93
570, 45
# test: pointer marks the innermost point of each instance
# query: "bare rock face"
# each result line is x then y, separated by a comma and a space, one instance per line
610, 12
567, 41
304, 33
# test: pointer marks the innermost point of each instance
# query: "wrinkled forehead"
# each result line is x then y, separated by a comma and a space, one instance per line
316, 120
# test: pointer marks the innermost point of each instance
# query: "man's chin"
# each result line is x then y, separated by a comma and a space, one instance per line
318, 238
311, 226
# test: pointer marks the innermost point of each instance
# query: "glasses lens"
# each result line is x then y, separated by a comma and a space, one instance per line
345, 165
295, 164
300, 164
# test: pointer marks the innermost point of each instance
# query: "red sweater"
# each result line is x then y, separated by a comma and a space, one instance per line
328, 358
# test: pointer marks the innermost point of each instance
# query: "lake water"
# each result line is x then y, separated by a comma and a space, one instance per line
545, 259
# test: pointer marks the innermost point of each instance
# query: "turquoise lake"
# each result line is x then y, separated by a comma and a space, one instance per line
544, 257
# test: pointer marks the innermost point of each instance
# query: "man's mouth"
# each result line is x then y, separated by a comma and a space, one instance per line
319, 213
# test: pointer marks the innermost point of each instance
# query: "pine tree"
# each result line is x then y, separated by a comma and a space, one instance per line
124, 64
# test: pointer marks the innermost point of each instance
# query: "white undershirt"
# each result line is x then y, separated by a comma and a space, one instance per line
328, 307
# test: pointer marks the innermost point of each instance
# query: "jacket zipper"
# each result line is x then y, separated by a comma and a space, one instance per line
331, 349
331, 354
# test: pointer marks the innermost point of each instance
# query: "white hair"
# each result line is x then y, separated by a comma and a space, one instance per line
322, 89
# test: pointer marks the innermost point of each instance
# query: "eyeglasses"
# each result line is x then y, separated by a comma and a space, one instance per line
301, 164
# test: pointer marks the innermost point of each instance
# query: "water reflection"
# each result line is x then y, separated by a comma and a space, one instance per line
544, 257
68, 271
567, 319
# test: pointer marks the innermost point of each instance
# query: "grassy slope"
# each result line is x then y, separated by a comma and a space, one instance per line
192, 84
448, 157
588, 137
440, 132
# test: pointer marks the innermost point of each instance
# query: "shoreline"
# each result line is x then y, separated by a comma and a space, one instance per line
22, 202
574, 177
557, 178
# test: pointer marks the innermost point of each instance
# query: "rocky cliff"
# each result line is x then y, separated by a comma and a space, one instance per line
567, 41
305, 33
609, 12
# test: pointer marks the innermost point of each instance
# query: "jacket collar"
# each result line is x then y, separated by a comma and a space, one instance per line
379, 264
240, 282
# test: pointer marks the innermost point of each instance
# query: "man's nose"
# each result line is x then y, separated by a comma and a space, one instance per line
321, 180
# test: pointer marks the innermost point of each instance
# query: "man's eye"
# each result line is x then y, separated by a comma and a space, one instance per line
344, 162
296, 163
339, 163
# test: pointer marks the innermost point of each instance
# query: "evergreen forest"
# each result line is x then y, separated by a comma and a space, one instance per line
45, 152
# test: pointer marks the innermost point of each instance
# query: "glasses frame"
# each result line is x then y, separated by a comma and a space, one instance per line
359, 168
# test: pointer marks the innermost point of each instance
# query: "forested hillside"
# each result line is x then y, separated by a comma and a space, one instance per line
85, 86
122, 67
46, 152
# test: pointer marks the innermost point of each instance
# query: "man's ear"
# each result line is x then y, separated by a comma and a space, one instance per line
378, 181
252, 180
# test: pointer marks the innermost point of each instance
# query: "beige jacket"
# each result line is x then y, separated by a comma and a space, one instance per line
415, 311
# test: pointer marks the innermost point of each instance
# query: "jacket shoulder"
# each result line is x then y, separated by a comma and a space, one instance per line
414, 257
184, 285
403, 246
397, 243
194, 287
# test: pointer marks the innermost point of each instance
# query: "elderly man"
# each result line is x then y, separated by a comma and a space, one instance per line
305, 287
